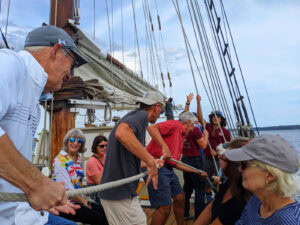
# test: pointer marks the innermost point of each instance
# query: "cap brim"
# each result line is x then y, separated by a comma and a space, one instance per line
237, 154
80, 59
145, 101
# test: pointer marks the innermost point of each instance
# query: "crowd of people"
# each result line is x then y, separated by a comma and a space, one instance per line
256, 186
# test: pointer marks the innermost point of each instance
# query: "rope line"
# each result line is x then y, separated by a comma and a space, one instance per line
21, 197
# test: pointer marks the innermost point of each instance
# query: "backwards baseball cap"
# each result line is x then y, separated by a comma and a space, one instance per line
50, 35
151, 98
269, 149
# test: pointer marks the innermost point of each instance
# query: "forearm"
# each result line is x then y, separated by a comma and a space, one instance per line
155, 134
16, 169
185, 169
205, 217
199, 114
187, 107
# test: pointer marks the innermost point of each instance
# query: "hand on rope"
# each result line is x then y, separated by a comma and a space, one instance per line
213, 152
166, 152
68, 208
47, 194
198, 99
152, 173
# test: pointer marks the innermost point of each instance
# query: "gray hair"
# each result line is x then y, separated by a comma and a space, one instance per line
75, 133
187, 116
35, 48
284, 185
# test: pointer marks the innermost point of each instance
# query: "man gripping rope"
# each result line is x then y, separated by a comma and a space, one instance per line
48, 57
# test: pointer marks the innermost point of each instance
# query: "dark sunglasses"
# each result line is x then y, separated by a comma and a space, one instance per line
102, 146
79, 141
244, 165
74, 63
223, 159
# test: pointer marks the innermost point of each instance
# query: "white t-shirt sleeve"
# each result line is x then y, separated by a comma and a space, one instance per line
11, 79
62, 175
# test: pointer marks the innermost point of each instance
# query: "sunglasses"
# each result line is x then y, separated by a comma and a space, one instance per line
74, 63
79, 141
223, 159
102, 146
244, 165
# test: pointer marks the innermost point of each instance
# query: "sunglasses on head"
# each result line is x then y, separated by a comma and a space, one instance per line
102, 146
79, 141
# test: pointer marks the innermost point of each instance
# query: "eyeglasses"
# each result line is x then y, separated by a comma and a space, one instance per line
223, 159
161, 107
102, 146
74, 63
79, 141
244, 165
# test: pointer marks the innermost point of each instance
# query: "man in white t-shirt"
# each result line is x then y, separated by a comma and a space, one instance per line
47, 59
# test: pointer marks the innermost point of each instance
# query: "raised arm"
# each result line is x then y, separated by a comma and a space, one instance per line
199, 112
126, 137
189, 98
202, 142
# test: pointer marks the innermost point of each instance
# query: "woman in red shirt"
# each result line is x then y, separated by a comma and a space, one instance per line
95, 164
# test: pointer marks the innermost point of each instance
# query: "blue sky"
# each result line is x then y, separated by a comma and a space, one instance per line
265, 34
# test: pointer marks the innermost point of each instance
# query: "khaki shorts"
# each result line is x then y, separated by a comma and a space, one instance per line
124, 212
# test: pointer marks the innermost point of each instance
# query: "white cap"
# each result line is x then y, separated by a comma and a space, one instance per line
151, 98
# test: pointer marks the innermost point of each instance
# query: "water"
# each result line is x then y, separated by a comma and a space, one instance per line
292, 136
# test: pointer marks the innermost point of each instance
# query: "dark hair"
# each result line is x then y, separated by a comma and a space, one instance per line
145, 107
96, 141
223, 120
234, 176
170, 100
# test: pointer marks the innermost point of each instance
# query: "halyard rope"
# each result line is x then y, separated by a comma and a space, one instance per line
21, 197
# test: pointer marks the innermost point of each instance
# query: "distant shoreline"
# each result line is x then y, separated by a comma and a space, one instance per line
281, 127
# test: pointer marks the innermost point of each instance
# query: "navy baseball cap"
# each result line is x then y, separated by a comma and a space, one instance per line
50, 35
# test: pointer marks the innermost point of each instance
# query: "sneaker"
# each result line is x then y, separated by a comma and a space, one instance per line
188, 217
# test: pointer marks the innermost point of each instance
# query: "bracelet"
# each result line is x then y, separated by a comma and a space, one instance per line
187, 103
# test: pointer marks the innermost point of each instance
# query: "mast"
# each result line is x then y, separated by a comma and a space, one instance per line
62, 120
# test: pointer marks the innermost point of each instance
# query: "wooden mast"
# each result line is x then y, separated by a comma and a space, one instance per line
63, 120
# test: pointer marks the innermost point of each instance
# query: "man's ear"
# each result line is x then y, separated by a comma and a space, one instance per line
54, 50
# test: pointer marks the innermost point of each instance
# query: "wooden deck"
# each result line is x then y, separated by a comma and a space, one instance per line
171, 219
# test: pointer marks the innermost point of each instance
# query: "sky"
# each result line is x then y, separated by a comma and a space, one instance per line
265, 33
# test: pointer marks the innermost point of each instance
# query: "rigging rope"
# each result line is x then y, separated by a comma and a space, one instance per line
94, 20
8, 9
137, 39
163, 47
240, 68
150, 44
210, 62
187, 48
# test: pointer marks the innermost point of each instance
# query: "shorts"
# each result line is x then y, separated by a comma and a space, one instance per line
167, 188
209, 167
124, 212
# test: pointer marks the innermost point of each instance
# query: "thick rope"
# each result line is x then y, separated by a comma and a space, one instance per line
193, 168
20, 197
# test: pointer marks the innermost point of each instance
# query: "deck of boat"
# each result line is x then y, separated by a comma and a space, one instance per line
171, 219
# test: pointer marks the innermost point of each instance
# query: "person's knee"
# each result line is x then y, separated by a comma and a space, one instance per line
164, 210
178, 199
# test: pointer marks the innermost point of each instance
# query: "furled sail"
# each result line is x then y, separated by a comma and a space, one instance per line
116, 84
